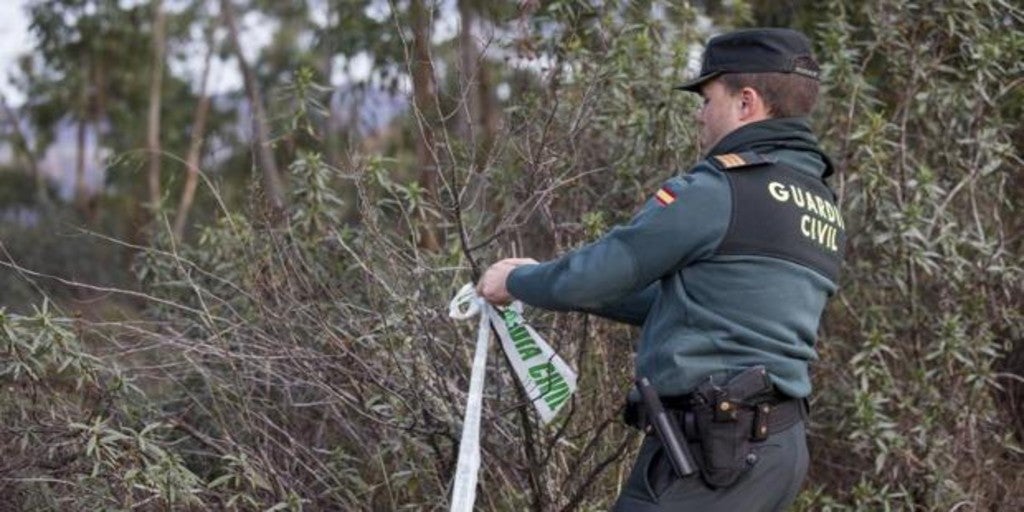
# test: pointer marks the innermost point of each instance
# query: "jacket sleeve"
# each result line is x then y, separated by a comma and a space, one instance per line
632, 309
682, 223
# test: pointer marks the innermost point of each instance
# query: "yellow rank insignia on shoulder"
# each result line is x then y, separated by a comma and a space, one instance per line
665, 196
731, 160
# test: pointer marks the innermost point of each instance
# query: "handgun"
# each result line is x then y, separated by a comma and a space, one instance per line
726, 400
750, 382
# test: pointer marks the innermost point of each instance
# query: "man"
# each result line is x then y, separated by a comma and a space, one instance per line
728, 269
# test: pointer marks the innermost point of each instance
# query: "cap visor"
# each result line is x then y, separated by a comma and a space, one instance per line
695, 84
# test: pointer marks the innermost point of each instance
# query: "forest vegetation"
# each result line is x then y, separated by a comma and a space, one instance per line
235, 298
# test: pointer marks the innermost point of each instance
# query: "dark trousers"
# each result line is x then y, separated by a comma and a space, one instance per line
778, 468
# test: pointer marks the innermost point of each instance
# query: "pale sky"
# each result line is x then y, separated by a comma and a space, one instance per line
14, 40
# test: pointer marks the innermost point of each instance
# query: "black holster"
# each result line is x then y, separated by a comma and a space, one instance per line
728, 421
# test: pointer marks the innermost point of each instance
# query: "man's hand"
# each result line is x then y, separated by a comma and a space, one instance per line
492, 284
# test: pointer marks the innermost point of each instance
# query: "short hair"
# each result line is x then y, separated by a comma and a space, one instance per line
784, 94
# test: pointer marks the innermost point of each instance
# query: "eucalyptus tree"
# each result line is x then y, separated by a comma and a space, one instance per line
78, 41
272, 185
156, 81
94, 65
480, 26
197, 132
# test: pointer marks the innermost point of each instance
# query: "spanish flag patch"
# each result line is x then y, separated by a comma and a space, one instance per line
665, 196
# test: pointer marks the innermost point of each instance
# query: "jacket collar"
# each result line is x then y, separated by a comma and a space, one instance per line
774, 134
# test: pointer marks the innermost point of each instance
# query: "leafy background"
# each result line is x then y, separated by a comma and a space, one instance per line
285, 346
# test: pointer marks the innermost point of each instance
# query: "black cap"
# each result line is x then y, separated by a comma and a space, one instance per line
756, 50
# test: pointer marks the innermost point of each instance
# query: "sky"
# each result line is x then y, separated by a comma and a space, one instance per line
14, 40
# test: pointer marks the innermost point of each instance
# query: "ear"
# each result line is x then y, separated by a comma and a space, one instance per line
752, 107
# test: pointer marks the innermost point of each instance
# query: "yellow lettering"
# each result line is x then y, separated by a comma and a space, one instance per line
810, 204
798, 196
804, 228
830, 212
821, 230
821, 206
778, 191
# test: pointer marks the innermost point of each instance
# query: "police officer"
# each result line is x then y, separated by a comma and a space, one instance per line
728, 269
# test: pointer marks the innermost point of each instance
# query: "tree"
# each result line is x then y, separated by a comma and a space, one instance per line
85, 71
192, 160
22, 149
272, 186
156, 81
480, 115
424, 86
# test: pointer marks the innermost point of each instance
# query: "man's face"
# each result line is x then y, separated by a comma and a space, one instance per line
718, 116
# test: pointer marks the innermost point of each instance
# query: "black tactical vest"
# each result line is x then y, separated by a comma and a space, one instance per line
781, 213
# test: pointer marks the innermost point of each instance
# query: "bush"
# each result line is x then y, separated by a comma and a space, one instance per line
305, 362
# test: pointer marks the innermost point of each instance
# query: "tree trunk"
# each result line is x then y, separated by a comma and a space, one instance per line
468, 75
80, 192
21, 147
490, 114
481, 120
261, 133
195, 146
96, 114
424, 91
155, 86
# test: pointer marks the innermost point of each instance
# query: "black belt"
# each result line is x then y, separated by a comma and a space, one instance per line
771, 416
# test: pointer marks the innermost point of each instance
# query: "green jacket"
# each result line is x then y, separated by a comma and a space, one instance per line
726, 267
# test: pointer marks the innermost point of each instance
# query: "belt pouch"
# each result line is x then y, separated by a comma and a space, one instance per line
724, 444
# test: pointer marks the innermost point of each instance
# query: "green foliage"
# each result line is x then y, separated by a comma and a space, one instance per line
61, 384
138, 462
39, 347
317, 208
303, 362
919, 122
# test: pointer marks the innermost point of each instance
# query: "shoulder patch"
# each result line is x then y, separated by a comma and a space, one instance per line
665, 196
737, 160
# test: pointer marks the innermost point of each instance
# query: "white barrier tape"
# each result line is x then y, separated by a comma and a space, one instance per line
547, 379
463, 306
